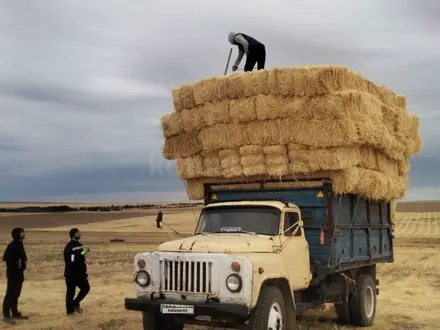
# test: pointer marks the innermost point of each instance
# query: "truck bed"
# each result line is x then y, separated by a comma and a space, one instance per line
357, 231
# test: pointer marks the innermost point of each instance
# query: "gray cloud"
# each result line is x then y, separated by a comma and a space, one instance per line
83, 86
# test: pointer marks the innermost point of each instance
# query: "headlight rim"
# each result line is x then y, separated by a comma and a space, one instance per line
240, 281
142, 271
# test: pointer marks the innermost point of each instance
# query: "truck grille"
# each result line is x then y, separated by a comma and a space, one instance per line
186, 276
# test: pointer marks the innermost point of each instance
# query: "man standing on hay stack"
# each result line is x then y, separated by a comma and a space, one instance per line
254, 50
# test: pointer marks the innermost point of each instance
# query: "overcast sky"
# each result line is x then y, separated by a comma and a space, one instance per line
83, 84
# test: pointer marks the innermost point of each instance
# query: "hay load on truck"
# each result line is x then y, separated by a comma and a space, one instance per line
298, 169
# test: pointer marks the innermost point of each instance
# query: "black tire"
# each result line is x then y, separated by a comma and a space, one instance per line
259, 318
363, 305
343, 312
151, 321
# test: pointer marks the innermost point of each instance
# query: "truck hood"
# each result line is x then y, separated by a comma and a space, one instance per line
221, 243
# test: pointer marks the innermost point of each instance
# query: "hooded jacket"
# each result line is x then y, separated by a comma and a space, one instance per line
245, 43
75, 261
15, 255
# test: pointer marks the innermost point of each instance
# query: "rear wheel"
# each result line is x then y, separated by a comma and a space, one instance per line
363, 305
152, 321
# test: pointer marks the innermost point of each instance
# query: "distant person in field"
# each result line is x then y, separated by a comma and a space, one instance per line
16, 262
255, 51
159, 219
75, 272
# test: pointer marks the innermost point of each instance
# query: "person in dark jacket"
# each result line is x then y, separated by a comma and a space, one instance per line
159, 219
16, 262
255, 51
75, 272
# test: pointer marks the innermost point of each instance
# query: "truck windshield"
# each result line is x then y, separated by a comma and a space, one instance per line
261, 220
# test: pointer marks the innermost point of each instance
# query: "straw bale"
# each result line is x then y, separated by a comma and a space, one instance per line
386, 165
247, 84
387, 97
335, 105
390, 118
298, 158
189, 167
357, 82
363, 103
230, 162
252, 160
373, 89
195, 189
367, 183
179, 146
253, 165
223, 136
265, 132
367, 158
177, 102
393, 205
316, 133
414, 141
408, 132
225, 153
334, 158
269, 107
187, 97
401, 102
211, 164
171, 124
242, 110
192, 120
275, 155
249, 150
214, 113
296, 107
305, 159
277, 161
199, 92
403, 167
291, 81
403, 126
272, 81
211, 90
325, 79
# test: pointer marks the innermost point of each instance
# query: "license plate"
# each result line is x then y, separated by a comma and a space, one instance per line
176, 309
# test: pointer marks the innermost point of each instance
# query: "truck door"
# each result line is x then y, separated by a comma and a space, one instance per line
296, 251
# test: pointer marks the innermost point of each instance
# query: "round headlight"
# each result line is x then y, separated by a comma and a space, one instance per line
142, 278
233, 283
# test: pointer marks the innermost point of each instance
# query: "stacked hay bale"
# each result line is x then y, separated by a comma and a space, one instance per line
292, 122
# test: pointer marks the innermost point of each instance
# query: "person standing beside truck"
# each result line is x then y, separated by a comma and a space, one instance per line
255, 51
75, 272
16, 262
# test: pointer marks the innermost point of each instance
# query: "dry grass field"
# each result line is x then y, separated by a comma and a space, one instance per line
409, 289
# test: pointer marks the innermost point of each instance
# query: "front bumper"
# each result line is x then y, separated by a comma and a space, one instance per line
200, 309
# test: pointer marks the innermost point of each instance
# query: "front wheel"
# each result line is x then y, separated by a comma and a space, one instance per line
270, 313
152, 321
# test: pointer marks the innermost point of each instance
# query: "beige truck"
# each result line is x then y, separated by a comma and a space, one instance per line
258, 256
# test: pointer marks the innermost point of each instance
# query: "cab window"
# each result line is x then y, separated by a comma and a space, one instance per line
290, 218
